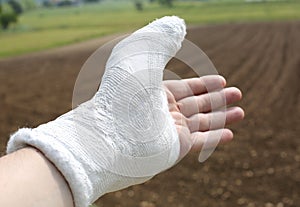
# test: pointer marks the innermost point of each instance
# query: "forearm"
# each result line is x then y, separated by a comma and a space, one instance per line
28, 179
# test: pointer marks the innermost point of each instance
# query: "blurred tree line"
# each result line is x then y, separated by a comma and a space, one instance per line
10, 10
9, 13
139, 4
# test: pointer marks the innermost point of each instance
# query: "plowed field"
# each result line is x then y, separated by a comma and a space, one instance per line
261, 167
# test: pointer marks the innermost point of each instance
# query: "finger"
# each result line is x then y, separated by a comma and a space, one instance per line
194, 86
172, 104
214, 120
209, 101
234, 114
210, 138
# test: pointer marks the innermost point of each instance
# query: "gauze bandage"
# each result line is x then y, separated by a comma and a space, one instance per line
125, 134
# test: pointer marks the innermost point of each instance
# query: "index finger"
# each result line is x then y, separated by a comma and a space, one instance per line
194, 86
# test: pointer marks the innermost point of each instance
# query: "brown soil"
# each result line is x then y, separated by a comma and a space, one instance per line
261, 167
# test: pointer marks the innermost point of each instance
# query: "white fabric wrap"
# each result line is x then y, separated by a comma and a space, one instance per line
125, 134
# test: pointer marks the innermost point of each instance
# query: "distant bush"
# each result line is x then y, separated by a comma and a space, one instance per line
65, 3
91, 1
138, 5
168, 3
16, 6
7, 18
47, 4
28, 4
7, 15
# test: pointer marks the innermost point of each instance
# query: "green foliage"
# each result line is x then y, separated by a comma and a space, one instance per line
7, 18
47, 28
28, 4
91, 1
65, 3
138, 5
168, 3
47, 4
16, 6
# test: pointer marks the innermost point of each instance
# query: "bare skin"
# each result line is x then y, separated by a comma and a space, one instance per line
28, 179
190, 107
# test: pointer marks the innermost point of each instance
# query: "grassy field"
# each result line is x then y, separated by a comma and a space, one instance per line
47, 28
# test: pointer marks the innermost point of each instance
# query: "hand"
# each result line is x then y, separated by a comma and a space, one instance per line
191, 107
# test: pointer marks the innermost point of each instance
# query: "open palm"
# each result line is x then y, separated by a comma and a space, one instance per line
195, 116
